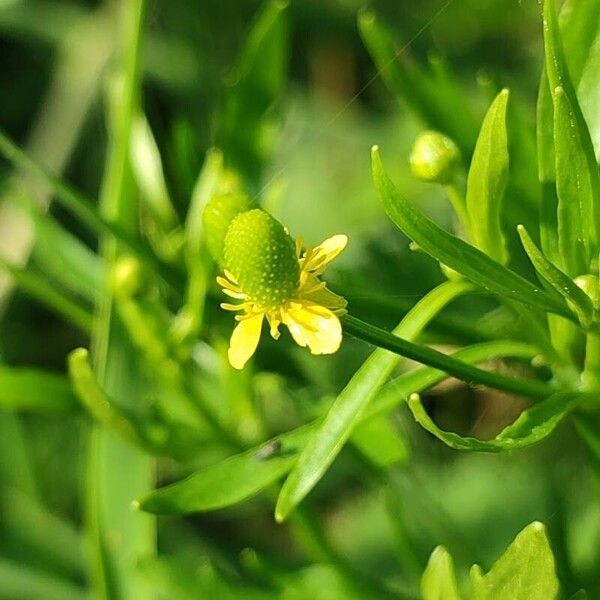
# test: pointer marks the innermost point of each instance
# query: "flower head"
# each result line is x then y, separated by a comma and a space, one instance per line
277, 279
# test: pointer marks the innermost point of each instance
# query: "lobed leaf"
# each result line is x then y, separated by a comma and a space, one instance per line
486, 181
454, 252
525, 570
439, 579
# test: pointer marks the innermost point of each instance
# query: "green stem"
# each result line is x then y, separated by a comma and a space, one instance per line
48, 295
425, 355
460, 206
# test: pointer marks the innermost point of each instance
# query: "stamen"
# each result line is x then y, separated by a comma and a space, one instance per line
234, 294
226, 306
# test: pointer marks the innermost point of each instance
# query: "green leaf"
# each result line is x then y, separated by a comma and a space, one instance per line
230, 481
561, 282
328, 441
487, 180
23, 388
577, 186
577, 180
532, 425
440, 107
525, 571
455, 253
243, 475
439, 579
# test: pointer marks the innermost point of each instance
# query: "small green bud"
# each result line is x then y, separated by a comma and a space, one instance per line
261, 255
591, 286
434, 157
128, 276
216, 218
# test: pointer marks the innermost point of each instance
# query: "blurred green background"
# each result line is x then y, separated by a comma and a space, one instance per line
54, 55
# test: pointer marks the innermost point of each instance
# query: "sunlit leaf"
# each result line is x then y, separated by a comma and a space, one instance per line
563, 284
526, 570
454, 252
328, 441
487, 180
439, 579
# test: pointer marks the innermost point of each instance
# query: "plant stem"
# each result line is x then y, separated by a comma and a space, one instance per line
424, 354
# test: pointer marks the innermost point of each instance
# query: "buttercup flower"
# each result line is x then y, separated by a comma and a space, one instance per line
278, 280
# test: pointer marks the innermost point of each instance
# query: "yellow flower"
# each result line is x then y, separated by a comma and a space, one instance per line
284, 293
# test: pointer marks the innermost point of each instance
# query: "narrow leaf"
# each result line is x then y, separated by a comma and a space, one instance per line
572, 135
455, 253
577, 186
328, 441
241, 476
34, 389
532, 426
230, 481
561, 282
487, 180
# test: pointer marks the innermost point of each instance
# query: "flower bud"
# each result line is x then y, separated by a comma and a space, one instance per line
261, 255
216, 218
128, 276
434, 157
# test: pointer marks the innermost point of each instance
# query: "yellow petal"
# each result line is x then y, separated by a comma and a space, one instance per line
314, 326
244, 340
325, 252
325, 297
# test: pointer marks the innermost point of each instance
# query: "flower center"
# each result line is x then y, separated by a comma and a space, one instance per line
261, 255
